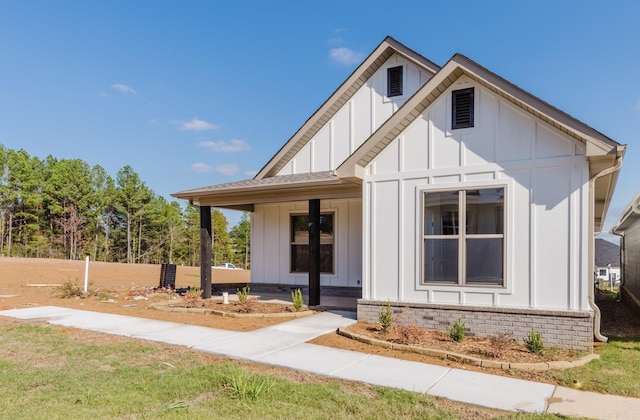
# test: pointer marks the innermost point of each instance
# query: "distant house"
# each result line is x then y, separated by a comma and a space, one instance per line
447, 191
607, 269
628, 228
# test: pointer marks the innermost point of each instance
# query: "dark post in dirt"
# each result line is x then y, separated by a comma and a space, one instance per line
314, 252
205, 251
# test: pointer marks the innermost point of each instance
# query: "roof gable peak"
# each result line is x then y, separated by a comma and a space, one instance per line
342, 95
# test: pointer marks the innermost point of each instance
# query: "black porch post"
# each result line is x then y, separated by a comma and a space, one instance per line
205, 251
314, 252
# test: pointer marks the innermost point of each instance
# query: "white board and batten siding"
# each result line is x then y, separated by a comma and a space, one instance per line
356, 120
545, 176
270, 238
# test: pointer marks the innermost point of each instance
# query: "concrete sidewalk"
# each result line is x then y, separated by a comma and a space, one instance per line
285, 345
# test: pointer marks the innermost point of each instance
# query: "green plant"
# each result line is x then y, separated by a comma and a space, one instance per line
296, 297
246, 385
533, 341
458, 330
243, 294
386, 317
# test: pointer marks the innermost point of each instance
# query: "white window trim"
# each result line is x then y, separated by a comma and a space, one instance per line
507, 285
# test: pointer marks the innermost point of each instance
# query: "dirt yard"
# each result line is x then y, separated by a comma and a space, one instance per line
115, 288
127, 289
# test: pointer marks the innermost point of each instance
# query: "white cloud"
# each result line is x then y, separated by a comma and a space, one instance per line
234, 145
154, 121
103, 95
201, 167
637, 106
197, 125
346, 56
250, 173
123, 88
227, 169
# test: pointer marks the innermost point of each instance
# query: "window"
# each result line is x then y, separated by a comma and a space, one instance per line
472, 254
300, 243
394, 81
462, 108
603, 271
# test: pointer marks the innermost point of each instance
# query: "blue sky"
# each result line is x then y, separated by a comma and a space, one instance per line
194, 93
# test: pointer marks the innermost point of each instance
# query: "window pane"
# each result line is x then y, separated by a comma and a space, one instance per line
299, 258
300, 229
300, 243
484, 261
441, 213
441, 260
485, 211
326, 228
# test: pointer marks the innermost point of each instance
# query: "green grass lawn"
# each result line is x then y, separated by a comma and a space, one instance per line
52, 373
616, 372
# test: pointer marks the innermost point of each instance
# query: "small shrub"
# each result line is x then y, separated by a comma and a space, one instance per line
458, 330
406, 330
70, 289
243, 294
192, 298
499, 343
533, 341
386, 317
296, 298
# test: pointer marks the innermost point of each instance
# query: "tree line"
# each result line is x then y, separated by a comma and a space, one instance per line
65, 208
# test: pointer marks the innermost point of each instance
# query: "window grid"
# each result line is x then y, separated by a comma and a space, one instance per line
453, 232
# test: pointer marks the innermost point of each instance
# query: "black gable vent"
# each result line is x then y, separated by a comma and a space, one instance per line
394, 81
462, 108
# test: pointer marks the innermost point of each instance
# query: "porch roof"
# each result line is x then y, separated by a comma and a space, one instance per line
242, 195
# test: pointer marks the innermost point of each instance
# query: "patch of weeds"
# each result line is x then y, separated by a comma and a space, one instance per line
458, 330
533, 341
192, 298
70, 289
243, 294
244, 385
296, 298
386, 317
499, 343
406, 331
173, 406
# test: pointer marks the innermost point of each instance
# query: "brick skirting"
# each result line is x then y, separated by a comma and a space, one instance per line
563, 329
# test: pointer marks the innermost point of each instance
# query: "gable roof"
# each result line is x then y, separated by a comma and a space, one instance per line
604, 155
607, 253
459, 65
629, 216
602, 152
342, 95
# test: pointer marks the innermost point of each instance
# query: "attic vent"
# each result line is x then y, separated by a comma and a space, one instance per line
462, 108
394, 81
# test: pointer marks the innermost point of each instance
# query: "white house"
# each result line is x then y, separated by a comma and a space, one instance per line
628, 228
607, 269
447, 191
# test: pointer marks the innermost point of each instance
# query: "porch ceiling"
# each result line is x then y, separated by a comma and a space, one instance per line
242, 195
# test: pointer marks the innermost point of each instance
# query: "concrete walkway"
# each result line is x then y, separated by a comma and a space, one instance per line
285, 345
